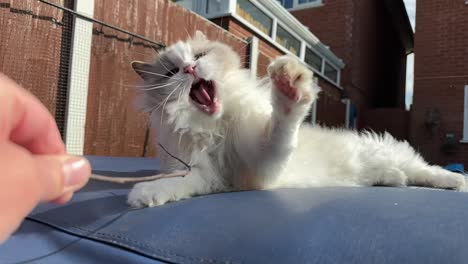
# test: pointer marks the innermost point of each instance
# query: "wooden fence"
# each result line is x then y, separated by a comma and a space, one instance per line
35, 44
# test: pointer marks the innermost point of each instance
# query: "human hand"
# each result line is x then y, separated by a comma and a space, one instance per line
34, 166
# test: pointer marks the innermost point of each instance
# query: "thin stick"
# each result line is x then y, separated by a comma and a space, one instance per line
174, 174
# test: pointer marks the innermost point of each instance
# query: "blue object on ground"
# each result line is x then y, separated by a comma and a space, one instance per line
456, 167
319, 225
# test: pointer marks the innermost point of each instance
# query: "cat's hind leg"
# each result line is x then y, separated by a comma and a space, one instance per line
391, 177
390, 162
436, 177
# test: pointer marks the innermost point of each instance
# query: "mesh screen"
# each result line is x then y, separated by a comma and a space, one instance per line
35, 41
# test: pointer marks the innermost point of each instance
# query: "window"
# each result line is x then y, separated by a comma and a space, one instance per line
254, 16
465, 117
331, 72
299, 4
286, 3
313, 59
285, 39
307, 1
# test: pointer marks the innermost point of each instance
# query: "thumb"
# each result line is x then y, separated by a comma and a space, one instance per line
26, 180
61, 174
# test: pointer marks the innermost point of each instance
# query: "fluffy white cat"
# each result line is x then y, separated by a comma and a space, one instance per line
238, 133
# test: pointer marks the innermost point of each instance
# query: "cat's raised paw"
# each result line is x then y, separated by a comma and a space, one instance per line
292, 80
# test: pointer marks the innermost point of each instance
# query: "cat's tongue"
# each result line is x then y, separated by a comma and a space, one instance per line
202, 95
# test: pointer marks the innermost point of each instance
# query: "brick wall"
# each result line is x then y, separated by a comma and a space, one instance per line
361, 33
441, 72
331, 112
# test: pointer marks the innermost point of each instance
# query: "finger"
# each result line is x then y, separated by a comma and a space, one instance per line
65, 198
26, 121
28, 179
59, 175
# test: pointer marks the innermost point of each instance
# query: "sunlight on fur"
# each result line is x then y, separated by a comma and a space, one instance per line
239, 133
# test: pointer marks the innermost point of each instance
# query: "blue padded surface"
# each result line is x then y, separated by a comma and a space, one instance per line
320, 225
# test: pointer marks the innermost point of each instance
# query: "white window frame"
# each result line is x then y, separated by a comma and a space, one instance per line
253, 60
313, 118
465, 117
297, 6
272, 38
347, 102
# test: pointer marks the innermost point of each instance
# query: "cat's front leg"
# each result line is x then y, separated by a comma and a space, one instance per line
159, 192
292, 93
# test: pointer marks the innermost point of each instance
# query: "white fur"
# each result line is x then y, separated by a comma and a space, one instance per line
256, 140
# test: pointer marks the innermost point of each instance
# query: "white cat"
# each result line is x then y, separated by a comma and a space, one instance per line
241, 134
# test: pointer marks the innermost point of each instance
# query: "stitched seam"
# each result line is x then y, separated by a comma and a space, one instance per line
135, 243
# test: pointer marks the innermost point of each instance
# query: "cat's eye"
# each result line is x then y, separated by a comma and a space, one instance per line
172, 72
199, 55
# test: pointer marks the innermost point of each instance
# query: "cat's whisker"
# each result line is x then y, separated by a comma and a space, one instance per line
242, 48
162, 102
158, 87
185, 88
167, 99
157, 74
180, 139
189, 37
180, 93
140, 86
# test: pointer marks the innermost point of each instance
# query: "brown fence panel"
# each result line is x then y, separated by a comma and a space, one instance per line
113, 126
35, 48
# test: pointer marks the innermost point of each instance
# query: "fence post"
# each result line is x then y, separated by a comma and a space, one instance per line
75, 120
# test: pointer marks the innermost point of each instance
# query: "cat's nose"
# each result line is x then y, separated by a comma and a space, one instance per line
189, 69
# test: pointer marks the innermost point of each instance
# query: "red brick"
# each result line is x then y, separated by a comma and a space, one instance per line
441, 72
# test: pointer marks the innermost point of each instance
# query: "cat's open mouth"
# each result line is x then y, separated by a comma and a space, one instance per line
203, 94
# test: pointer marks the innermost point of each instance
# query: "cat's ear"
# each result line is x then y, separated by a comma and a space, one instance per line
199, 36
143, 69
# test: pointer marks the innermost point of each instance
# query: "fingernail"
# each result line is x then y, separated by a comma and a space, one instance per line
76, 171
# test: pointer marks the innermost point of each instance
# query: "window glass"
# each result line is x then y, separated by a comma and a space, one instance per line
313, 59
287, 40
307, 1
254, 16
331, 72
286, 3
